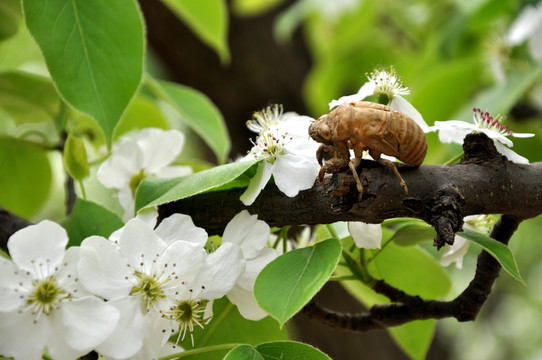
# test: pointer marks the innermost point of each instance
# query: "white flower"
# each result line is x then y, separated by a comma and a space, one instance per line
528, 26
285, 152
456, 130
389, 88
251, 235
457, 251
365, 236
139, 155
41, 301
152, 276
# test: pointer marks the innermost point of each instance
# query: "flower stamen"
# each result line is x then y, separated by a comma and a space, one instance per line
486, 121
45, 297
388, 83
188, 314
264, 119
150, 288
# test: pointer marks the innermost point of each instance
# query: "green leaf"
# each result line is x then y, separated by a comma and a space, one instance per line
290, 350
501, 98
94, 51
87, 219
253, 7
244, 352
75, 158
412, 233
208, 19
20, 51
412, 270
287, 283
227, 327
27, 97
499, 251
158, 191
141, 113
276, 350
198, 112
414, 338
10, 13
25, 176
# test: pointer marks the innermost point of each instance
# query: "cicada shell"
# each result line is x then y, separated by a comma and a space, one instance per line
362, 126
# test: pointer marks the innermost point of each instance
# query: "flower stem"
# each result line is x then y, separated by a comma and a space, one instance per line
455, 159
82, 189
331, 231
200, 351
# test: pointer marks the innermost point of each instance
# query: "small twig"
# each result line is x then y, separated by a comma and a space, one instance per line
410, 308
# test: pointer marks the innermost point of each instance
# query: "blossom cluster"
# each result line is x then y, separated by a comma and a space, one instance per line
124, 296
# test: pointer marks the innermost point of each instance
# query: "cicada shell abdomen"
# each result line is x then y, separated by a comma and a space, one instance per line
390, 132
411, 138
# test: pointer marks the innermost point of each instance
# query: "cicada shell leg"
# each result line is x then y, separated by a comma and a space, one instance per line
353, 165
391, 165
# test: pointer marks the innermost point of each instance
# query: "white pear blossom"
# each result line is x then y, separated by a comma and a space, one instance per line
528, 27
457, 251
285, 151
365, 236
138, 155
456, 130
252, 236
42, 303
162, 281
389, 86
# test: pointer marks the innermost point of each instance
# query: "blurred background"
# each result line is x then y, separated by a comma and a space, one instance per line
454, 55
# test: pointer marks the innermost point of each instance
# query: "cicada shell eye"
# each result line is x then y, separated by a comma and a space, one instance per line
325, 131
319, 130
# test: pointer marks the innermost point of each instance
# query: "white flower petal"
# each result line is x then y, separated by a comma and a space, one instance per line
492, 134
117, 171
254, 266
89, 321
67, 274
257, 183
140, 245
181, 227
21, 338
510, 154
522, 135
293, 174
221, 270
246, 303
12, 295
248, 232
103, 269
400, 104
455, 253
127, 202
182, 261
127, 337
159, 147
366, 236
524, 26
367, 89
452, 131
535, 42
39, 248
173, 171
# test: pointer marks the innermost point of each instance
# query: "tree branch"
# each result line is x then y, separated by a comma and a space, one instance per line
484, 183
